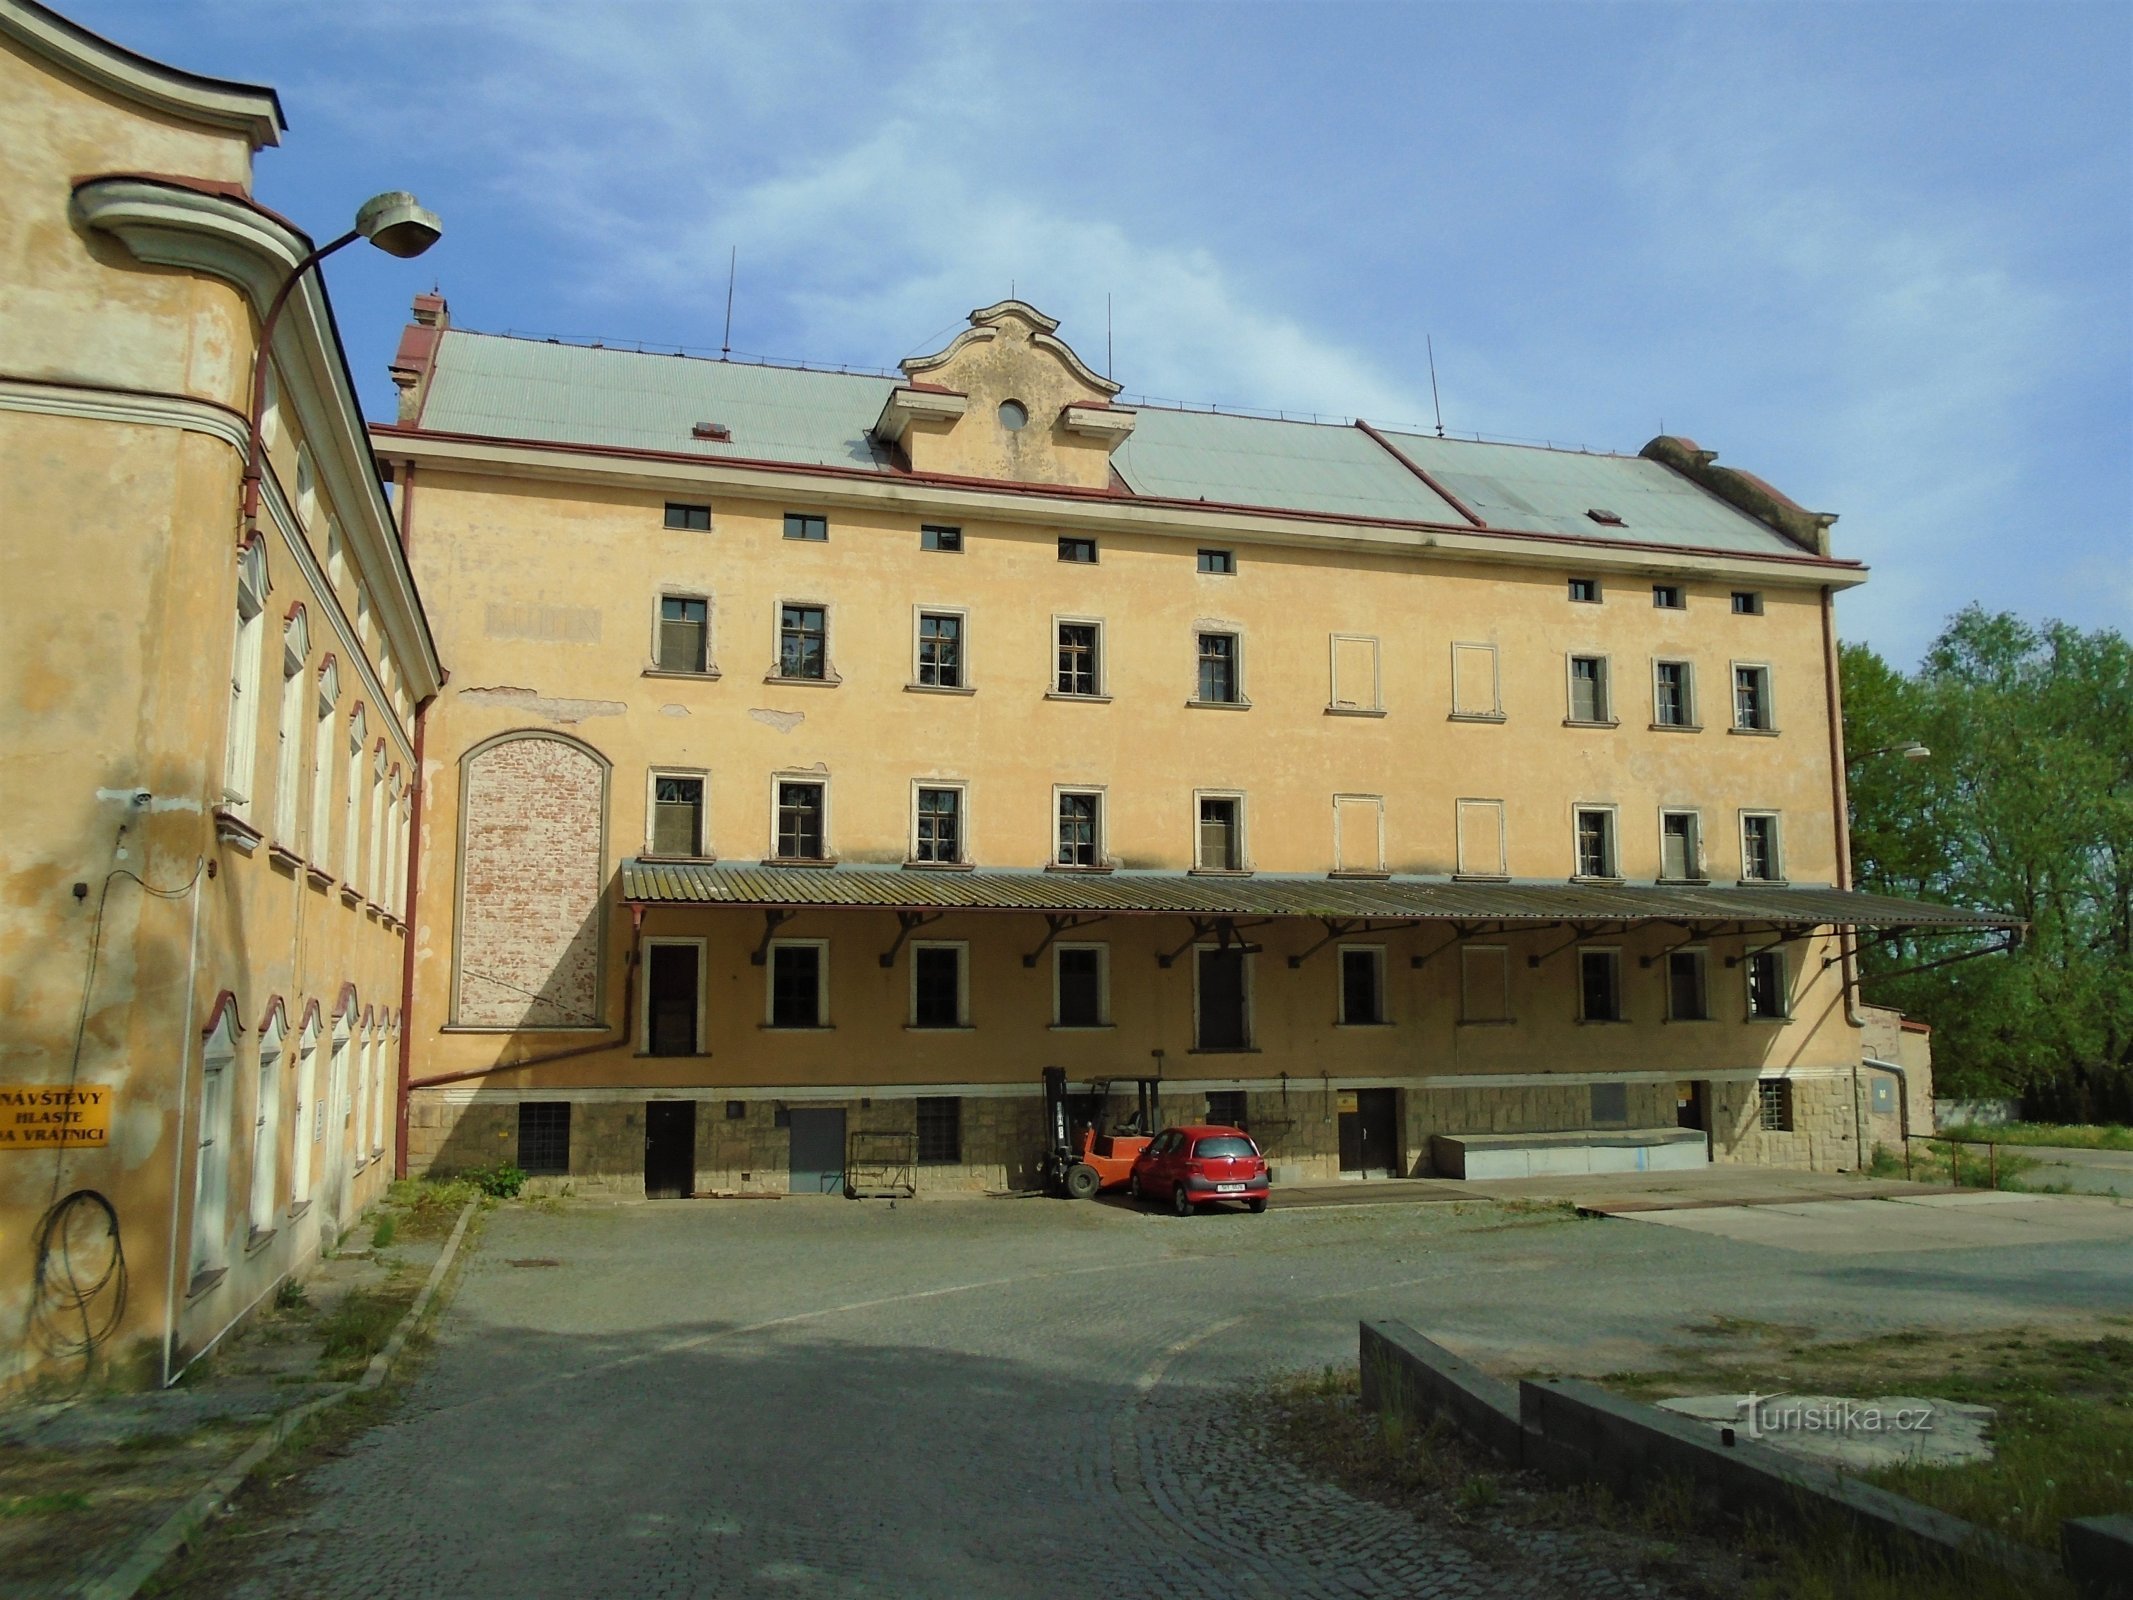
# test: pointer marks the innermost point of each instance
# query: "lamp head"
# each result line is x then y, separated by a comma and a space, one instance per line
1914, 751
398, 224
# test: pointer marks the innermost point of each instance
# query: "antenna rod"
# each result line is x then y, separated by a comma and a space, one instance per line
1431, 344
733, 261
1107, 334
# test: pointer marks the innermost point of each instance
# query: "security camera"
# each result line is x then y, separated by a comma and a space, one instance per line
141, 797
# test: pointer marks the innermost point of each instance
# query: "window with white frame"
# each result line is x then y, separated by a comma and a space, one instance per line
1681, 846
310, 1121
1080, 837
242, 749
329, 700
940, 650
1687, 989
1362, 977
673, 996
1589, 698
1081, 986
1358, 687
1480, 842
1595, 841
940, 984
1599, 985
937, 823
1080, 664
1769, 992
1221, 998
211, 1148
1218, 841
289, 758
802, 820
1477, 685
1761, 860
380, 1091
1359, 833
798, 983
677, 815
375, 878
684, 640
352, 804
1673, 694
1484, 983
1752, 708
803, 642
266, 1127
1218, 683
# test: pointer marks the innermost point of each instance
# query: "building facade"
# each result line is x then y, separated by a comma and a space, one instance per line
209, 724
826, 755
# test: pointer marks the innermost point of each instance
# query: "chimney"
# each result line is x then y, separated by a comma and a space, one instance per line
417, 355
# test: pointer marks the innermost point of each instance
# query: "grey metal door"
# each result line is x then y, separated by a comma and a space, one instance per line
817, 1149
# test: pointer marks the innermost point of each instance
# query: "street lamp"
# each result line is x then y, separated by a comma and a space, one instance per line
1910, 750
396, 223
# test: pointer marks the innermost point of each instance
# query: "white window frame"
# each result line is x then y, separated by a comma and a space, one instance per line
328, 685
289, 738
700, 775
965, 853
1604, 688
310, 1114
1103, 988
1103, 658
1691, 712
241, 753
1238, 700
709, 669
776, 674
1702, 953
1613, 874
822, 985
352, 802
306, 506
829, 838
374, 878
1493, 814
1463, 713
962, 985
1467, 985
1103, 826
919, 613
1777, 844
1241, 831
1769, 724
1335, 704
1376, 952
1699, 871
1251, 1020
1784, 968
1376, 802
211, 1149
1621, 998
644, 992
266, 1128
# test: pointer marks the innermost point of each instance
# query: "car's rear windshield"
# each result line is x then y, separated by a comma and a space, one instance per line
1215, 1149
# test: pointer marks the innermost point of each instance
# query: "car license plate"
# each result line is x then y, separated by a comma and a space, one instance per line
1229, 1188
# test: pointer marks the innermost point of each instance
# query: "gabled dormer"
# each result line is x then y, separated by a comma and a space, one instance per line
1008, 401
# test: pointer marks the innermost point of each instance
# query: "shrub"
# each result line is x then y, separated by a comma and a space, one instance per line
502, 1181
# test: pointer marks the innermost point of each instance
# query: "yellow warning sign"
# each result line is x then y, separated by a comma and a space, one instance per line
39, 1117
1347, 1100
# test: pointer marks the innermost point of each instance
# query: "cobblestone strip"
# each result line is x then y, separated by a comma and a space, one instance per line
185, 1524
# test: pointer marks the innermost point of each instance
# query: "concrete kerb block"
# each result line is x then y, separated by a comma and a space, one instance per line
1415, 1377
2098, 1552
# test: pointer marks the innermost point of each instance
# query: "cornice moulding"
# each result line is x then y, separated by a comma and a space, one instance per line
251, 109
906, 406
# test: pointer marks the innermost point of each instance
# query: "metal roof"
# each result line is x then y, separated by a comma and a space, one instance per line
1145, 893
1282, 466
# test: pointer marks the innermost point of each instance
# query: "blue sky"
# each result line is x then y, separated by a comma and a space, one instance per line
1880, 254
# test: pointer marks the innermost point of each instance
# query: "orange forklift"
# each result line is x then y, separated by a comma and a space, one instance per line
1084, 1157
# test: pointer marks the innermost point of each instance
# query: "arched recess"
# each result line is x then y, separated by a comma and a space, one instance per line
528, 941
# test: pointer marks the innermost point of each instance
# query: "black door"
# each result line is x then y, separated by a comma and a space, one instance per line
669, 1148
817, 1150
1222, 1020
1370, 1132
1688, 1104
671, 1013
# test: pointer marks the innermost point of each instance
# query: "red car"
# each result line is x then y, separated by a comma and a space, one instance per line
1194, 1166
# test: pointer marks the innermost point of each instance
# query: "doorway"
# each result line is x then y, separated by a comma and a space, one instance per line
817, 1149
1370, 1132
1692, 1108
670, 999
1222, 1001
669, 1149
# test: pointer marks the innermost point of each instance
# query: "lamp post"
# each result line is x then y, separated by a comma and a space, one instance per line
1910, 750
396, 223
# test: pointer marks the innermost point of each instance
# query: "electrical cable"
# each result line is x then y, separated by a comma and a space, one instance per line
78, 1264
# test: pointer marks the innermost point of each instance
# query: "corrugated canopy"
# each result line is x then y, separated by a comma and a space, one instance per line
1187, 894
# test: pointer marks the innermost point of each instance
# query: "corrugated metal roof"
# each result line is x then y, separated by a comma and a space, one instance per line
1284, 466
892, 888
1550, 491
492, 386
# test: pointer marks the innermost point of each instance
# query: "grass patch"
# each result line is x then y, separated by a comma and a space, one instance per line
426, 1207
359, 1328
2073, 1136
1958, 1166
44, 1505
386, 1230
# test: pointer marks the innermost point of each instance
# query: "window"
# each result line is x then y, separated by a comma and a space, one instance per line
684, 634
1595, 843
1078, 550
1080, 986
1484, 983
695, 519
1220, 842
800, 823
1357, 687
1759, 861
1080, 663
1751, 699
289, 761
947, 540
677, 816
329, 700
211, 1157
1359, 833
1585, 591
799, 984
374, 871
940, 1130
1218, 561
1773, 1104
1747, 603
1476, 687
544, 1135
673, 996
266, 1129
1362, 986
1218, 669
1667, 597
1227, 1108
938, 835
243, 746
939, 998
1080, 830
803, 642
806, 525
1609, 1104
1687, 998
940, 650
1222, 1011
310, 1108
352, 810
1768, 999
1599, 986
1481, 839
1588, 690
1673, 703
1680, 845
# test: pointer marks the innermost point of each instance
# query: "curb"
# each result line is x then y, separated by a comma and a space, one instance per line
189, 1521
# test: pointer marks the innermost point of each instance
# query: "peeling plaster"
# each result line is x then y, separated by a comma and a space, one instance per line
783, 721
673, 711
555, 709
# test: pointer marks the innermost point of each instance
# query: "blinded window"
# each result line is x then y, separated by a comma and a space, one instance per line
1481, 839
1485, 984
1474, 686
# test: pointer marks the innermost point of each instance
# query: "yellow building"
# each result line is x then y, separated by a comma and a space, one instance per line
826, 755
209, 727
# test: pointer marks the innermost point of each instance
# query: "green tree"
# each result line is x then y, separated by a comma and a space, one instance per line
2026, 806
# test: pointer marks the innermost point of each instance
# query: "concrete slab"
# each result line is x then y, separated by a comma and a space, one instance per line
1857, 1435
1918, 1223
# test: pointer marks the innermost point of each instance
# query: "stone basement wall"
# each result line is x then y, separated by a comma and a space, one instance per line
1822, 1134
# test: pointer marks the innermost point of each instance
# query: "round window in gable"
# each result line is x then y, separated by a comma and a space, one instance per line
1014, 415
